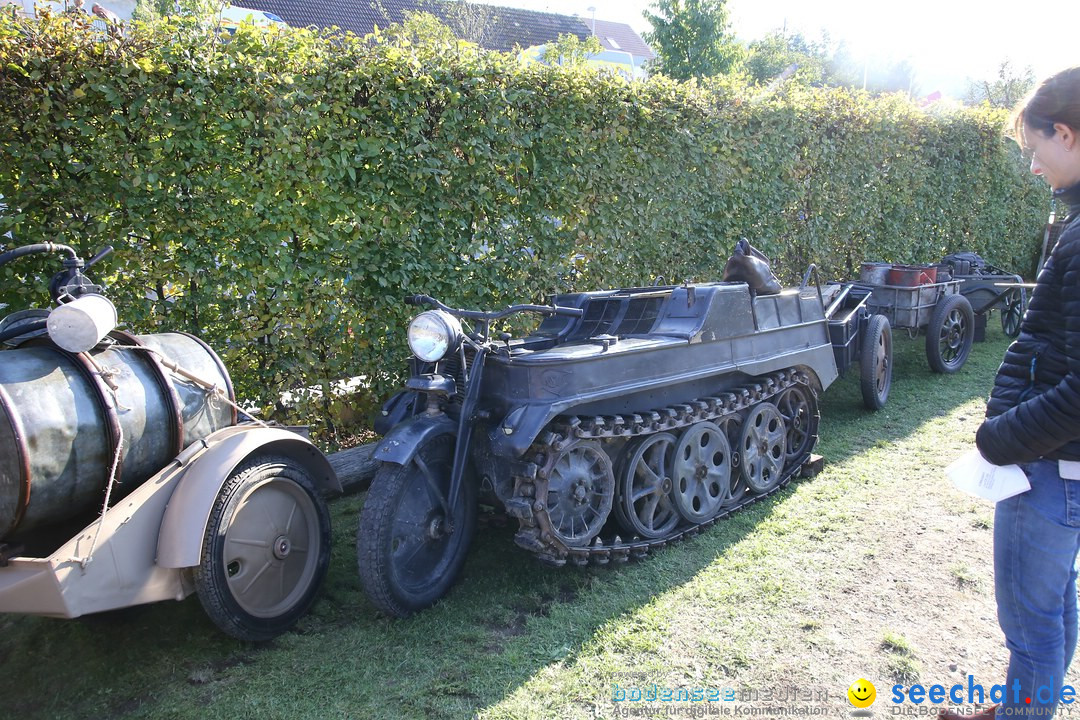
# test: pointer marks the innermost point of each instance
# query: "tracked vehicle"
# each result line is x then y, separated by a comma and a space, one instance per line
626, 420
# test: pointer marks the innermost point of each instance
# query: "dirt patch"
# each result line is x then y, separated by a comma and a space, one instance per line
212, 672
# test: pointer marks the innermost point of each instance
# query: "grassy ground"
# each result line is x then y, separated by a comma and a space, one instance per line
876, 568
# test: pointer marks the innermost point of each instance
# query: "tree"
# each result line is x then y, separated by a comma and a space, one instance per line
152, 9
469, 21
691, 38
419, 29
875, 74
570, 50
774, 54
1008, 89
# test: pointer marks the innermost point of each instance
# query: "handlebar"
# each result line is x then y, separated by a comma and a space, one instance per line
101, 254
495, 315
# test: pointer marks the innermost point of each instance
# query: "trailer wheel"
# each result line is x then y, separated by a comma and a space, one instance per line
875, 362
1014, 303
950, 334
408, 551
266, 549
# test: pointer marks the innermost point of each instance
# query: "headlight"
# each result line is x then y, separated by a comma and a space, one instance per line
434, 333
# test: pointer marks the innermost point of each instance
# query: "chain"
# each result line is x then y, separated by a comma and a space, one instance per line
530, 486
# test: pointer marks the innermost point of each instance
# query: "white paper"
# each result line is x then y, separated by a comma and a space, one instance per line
973, 474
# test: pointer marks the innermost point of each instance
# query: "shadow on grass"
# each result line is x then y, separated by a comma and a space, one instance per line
507, 619
917, 395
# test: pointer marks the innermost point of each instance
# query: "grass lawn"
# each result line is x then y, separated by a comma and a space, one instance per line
877, 569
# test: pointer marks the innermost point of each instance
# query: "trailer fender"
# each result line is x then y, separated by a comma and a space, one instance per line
401, 443
207, 465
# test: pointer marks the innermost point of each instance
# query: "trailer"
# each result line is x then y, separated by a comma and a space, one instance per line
937, 309
989, 288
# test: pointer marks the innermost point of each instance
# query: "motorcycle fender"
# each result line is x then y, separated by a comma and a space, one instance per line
207, 464
401, 443
395, 411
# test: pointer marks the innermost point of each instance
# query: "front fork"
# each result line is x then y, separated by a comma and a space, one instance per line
466, 423
401, 443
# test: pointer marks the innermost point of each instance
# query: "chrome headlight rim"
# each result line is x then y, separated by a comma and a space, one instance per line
433, 334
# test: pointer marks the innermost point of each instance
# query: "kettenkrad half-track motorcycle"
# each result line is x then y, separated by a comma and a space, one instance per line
628, 419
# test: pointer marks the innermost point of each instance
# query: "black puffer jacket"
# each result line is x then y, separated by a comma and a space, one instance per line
1034, 408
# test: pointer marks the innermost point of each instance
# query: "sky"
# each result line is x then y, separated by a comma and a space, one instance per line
948, 42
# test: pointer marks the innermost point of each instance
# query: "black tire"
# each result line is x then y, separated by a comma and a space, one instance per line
405, 558
875, 362
950, 334
265, 551
1013, 305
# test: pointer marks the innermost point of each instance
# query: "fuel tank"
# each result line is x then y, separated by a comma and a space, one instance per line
63, 415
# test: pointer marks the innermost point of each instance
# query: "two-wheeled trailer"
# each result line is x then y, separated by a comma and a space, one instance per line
989, 288
937, 308
860, 337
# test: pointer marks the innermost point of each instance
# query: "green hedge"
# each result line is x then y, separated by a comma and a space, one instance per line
282, 192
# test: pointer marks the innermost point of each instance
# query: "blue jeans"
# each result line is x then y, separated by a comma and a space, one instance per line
1036, 537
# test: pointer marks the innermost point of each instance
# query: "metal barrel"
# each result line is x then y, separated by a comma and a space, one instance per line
63, 415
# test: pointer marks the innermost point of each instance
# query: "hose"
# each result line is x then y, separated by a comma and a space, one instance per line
22, 329
19, 252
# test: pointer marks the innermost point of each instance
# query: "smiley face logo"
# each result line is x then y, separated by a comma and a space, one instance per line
862, 693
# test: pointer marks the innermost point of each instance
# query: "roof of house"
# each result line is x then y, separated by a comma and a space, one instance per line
503, 28
358, 16
510, 27
620, 36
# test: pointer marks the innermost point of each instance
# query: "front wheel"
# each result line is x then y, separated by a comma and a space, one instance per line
409, 550
266, 549
950, 334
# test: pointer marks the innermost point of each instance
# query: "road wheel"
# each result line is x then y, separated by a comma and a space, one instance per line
1013, 305
408, 550
763, 445
798, 407
950, 334
580, 492
732, 427
266, 549
701, 471
875, 362
643, 503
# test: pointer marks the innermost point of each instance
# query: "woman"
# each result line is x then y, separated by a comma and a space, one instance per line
1033, 419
